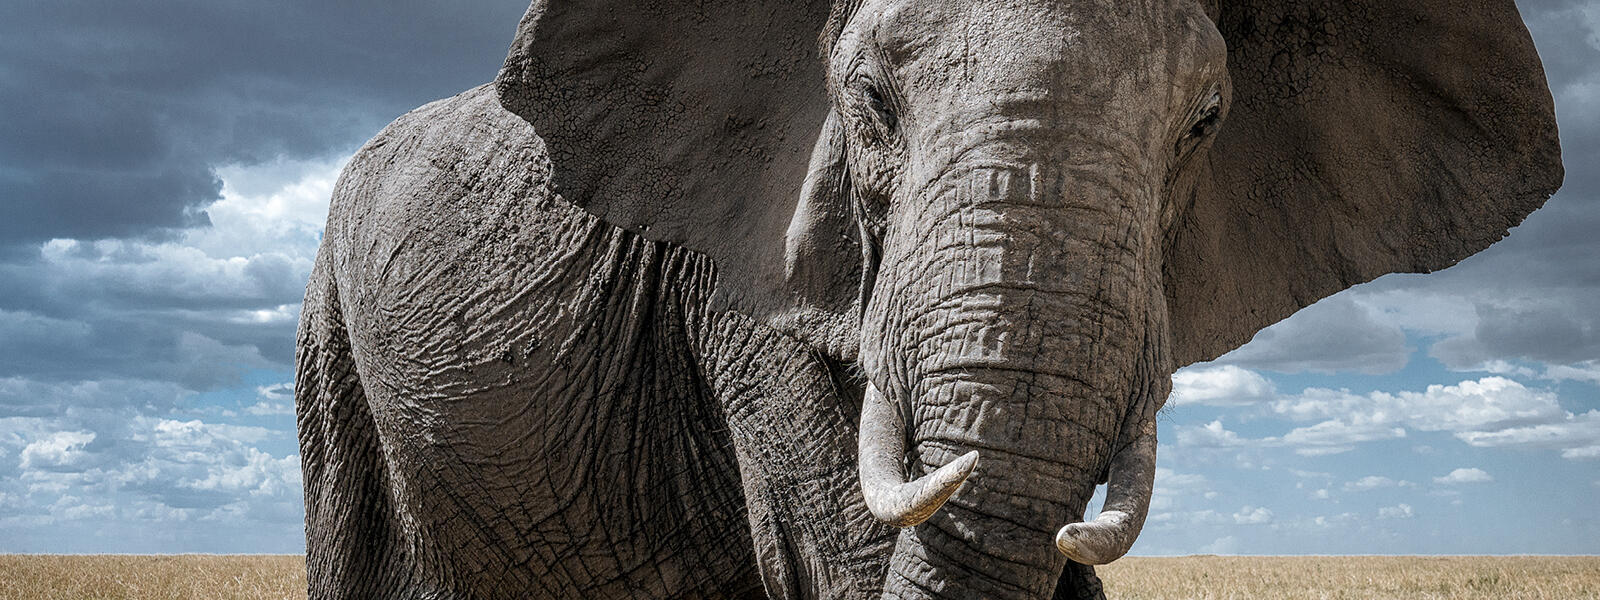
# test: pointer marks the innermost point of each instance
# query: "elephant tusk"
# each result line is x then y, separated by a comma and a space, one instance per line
882, 447
1113, 531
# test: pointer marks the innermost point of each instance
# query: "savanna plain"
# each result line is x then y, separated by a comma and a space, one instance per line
50, 577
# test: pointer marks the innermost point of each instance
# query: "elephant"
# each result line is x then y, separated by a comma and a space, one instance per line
861, 298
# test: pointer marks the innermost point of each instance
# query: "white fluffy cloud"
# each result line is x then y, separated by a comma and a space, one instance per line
59, 450
1220, 385
1400, 511
1465, 475
275, 399
273, 208
179, 464
1488, 403
196, 435
1373, 482
1253, 515
106, 466
1334, 437
1172, 489
118, 355
1223, 545
1210, 435
1585, 371
1488, 412
1576, 436
1328, 437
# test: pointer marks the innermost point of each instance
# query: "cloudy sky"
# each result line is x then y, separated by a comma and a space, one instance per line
164, 175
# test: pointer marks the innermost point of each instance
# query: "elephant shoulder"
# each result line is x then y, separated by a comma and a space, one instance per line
444, 151
446, 170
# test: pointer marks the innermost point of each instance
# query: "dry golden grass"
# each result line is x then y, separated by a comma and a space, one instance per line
198, 577
1353, 578
1188, 578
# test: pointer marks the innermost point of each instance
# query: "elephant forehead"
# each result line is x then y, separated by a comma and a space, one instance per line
1047, 52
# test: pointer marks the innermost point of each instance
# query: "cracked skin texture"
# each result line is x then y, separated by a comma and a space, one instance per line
549, 321
637, 498
628, 390
568, 420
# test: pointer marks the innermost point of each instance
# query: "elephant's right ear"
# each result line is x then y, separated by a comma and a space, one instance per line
690, 122
1365, 137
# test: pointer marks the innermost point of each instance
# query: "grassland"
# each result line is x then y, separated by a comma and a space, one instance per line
1187, 578
117, 577
1353, 578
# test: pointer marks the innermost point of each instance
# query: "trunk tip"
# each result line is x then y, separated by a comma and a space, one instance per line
1097, 542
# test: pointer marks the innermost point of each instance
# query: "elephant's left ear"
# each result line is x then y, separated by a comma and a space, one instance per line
690, 122
1365, 137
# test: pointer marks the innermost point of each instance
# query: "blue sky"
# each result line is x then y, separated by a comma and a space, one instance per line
164, 175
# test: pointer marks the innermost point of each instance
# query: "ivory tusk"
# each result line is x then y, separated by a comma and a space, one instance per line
882, 448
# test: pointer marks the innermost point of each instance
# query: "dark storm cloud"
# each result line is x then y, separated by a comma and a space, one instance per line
126, 310
120, 276
1335, 334
116, 116
116, 112
114, 346
1565, 332
1567, 33
1568, 43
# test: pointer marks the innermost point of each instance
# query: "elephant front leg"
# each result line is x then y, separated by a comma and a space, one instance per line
795, 439
354, 544
1078, 582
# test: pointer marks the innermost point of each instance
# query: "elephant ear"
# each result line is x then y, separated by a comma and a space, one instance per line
689, 122
1364, 137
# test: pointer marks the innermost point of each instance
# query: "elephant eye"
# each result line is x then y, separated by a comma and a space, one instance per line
1207, 123
879, 106
1202, 127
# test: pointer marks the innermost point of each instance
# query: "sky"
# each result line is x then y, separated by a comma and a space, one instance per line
165, 170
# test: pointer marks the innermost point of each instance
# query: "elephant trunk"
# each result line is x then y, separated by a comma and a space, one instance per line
1113, 531
1022, 328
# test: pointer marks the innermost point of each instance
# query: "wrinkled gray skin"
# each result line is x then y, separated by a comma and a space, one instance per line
621, 324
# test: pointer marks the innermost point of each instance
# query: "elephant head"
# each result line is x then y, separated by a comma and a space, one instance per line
1020, 217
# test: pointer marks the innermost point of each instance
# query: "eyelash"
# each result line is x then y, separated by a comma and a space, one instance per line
1202, 127
1207, 122
880, 108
